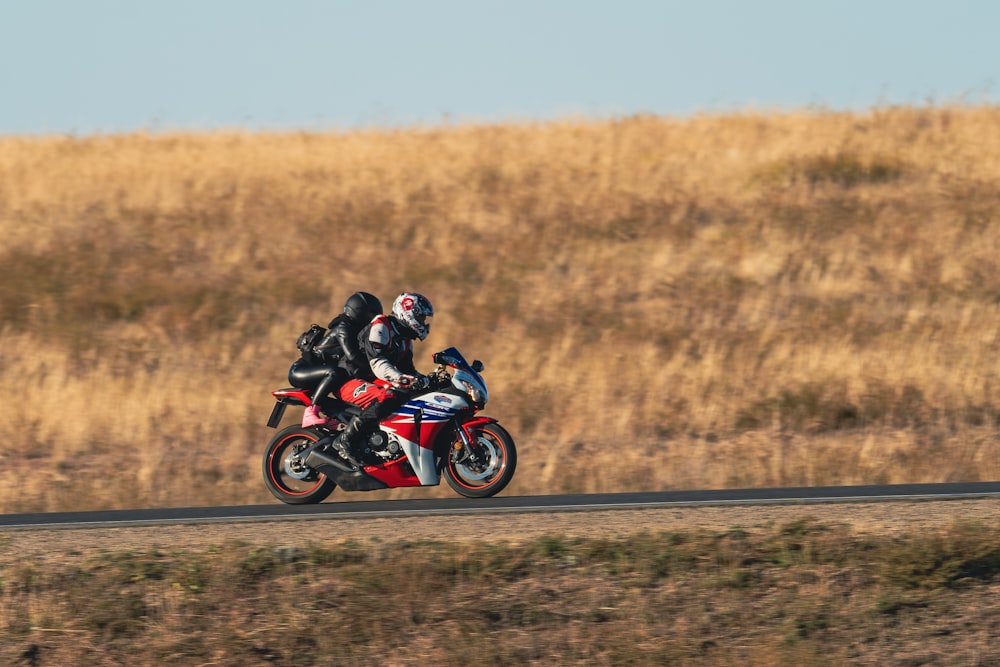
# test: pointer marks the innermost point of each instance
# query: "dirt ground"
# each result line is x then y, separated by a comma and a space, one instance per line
885, 518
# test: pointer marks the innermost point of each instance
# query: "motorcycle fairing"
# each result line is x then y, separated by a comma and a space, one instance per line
417, 424
423, 463
394, 473
422, 418
464, 377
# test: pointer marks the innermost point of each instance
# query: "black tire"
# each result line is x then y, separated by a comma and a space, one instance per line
292, 483
493, 473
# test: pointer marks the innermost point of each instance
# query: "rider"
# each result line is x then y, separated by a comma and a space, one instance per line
388, 345
337, 358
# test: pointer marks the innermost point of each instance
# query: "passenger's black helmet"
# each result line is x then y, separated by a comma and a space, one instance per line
362, 306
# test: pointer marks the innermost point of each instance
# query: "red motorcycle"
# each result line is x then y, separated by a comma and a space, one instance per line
436, 432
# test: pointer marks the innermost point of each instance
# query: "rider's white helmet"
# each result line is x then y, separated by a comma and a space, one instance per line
415, 312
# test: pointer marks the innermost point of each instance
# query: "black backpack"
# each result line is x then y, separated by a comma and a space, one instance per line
309, 339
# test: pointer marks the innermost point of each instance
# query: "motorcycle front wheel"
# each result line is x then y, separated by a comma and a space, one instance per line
286, 477
487, 469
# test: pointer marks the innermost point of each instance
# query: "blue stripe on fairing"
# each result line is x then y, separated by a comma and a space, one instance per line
431, 411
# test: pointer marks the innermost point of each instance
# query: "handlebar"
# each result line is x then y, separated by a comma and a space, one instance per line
439, 377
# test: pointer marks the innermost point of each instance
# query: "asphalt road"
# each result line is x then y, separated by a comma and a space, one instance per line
517, 504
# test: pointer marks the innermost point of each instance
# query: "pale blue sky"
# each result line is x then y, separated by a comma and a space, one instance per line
86, 66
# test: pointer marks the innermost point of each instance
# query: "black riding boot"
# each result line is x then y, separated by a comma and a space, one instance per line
347, 443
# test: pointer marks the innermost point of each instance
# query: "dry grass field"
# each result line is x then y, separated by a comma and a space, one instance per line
738, 300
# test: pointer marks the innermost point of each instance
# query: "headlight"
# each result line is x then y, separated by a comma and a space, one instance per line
474, 393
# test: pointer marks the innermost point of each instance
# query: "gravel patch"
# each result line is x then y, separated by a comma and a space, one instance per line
884, 518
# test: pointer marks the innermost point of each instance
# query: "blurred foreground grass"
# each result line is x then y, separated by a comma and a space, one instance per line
803, 593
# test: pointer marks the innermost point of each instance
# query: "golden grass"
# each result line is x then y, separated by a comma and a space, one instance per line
741, 300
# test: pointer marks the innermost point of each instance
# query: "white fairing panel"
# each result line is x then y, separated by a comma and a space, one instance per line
422, 461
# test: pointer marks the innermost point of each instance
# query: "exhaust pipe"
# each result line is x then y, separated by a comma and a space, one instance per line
346, 477
317, 459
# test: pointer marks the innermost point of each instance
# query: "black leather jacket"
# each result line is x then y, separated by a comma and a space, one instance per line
340, 345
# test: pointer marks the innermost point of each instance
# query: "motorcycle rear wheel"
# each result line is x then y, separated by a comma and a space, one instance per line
287, 479
492, 472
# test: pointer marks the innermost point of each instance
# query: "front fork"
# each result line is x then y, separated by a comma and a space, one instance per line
465, 449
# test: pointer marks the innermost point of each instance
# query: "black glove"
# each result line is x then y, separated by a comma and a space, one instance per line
413, 382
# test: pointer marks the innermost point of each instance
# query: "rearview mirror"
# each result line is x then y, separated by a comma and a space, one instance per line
478, 366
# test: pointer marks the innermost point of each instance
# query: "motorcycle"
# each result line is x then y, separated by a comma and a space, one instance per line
436, 432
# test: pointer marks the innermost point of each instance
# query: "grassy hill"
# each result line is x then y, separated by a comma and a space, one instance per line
718, 301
